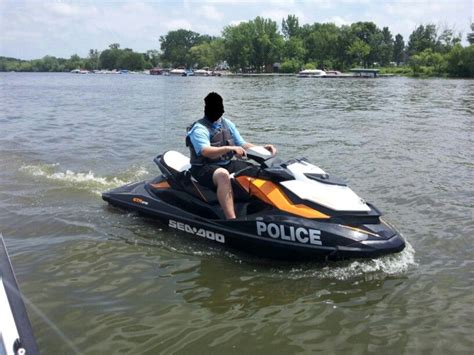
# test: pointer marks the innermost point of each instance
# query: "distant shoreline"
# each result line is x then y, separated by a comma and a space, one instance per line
243, 75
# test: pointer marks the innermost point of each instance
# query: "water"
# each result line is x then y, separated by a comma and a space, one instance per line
98, 279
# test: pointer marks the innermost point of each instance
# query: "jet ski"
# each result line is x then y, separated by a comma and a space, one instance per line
289, 210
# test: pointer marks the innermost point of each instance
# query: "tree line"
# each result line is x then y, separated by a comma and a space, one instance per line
110, 58
260, 45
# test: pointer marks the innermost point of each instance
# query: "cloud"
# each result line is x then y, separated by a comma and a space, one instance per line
236, 22
211, 13
70, 10
338, 21
177, 24
31, 28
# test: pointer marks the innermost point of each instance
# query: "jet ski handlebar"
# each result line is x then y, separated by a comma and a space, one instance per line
259, 154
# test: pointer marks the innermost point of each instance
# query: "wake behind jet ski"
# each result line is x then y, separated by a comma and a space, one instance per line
287, 210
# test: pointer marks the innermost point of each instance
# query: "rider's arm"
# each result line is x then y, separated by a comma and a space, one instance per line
216, 152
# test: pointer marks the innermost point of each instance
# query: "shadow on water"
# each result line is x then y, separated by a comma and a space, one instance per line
221, 289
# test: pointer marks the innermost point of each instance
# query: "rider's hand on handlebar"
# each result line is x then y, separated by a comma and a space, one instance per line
239, 151
270, 148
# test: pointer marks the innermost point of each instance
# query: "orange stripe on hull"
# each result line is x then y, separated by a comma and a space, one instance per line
161, 185
272, 194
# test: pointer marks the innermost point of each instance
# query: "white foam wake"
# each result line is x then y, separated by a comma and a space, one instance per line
83, 180
394, 264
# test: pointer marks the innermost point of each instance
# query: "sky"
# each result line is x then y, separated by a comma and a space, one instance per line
31, 29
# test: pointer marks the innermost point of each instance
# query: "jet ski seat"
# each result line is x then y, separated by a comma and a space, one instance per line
175, 167
176, 161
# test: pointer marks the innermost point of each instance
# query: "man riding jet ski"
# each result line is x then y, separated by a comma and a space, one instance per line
212, 142
286, 210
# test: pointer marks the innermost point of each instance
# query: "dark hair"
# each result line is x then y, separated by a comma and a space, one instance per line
214, 106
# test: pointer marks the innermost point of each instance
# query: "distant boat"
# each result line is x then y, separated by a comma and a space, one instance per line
181, 72
333, 73
156, 71
311, 73
79, 71
202, 72
178, 72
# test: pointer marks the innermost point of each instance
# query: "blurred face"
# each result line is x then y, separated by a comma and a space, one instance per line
214, 106
215, 115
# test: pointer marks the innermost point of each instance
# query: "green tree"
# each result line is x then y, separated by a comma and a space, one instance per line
237, 45
319, 42
175, 46
266, 42
93, 60
399, 49
359, 50
131, 60
415, 63
470, 35
290, 66
293, 49
460, 61
25, 66
447, 39
423, 37
290, 27
370, 34
202, 55
153, 57
386, 47
254, 45
75, 62
428, 62
345, 38
49, 64
207, 54
108, 59
438, 62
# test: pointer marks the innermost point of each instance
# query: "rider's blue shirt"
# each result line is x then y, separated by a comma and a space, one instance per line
201, 137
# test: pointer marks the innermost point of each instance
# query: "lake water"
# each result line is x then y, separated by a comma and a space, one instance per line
100, 280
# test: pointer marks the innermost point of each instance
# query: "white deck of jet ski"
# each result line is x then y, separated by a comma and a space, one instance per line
335, 197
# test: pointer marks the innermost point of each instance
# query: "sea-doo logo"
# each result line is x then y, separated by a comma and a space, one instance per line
290, 233
197, 231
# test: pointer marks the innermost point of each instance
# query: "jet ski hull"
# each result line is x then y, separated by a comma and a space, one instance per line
269, 233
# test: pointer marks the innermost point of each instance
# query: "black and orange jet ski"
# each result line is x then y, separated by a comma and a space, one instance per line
286, 210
